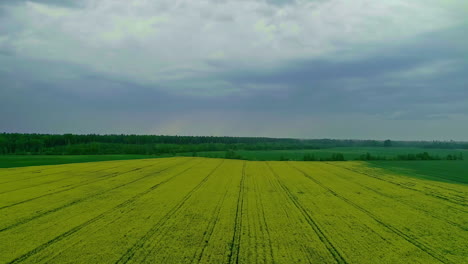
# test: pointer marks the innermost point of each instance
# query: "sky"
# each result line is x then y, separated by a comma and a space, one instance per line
360, 69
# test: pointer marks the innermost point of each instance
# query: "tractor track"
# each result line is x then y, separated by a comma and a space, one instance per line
328, 244
130, 253
409, 188
92, 220
211, 226
398, 232
420, 209
262, 219
65, 177
304, 250
236, 236
83, 199
98, 179
42, 175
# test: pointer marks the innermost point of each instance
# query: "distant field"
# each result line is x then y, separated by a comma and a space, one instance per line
348, 152
198, 210
437, 170
10, 161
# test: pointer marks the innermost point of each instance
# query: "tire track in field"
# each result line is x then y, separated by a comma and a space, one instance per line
38, 176
24, 170
130, 253
112, 175
166, 218
409, 188
420, 209
92, 220
51, 167
42, 175
328, 244
304, 250
236, 236
456, 194
65, 177
100, 178
263, 218
31, 172
197, 257
395, 230
114, 219
24, 221
68, 246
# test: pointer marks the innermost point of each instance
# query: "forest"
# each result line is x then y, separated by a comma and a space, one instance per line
94, 144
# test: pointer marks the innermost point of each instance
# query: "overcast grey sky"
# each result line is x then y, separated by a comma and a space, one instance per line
360, 69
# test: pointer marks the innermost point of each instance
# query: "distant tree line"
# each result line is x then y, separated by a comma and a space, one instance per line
333, 157
370, 157
426, 156
231, 154
74, 144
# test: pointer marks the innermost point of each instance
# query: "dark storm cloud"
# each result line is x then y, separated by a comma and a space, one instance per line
424, 50
371, 85
385, 82
416, 81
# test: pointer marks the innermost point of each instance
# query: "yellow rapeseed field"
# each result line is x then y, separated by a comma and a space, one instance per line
199, 210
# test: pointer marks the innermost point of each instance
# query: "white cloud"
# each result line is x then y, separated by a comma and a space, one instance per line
149, 42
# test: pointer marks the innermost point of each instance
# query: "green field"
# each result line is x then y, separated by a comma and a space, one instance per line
199, 210
437, 170
349, 153
10, 161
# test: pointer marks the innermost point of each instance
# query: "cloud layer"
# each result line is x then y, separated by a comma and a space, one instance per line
266, 68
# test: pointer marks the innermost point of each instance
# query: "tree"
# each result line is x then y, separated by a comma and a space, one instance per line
368, 156
309, 157
337, 157
388, 143
231, 154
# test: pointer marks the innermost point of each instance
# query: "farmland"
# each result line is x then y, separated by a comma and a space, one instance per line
350, 153
10, 161
202, 210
